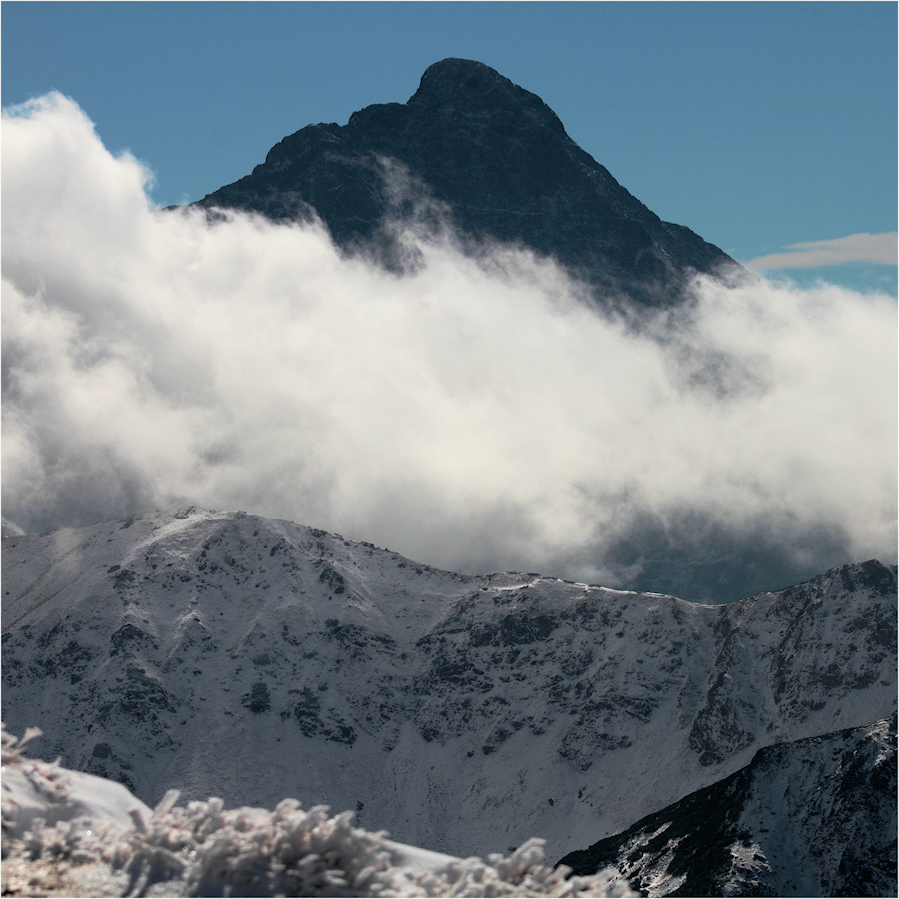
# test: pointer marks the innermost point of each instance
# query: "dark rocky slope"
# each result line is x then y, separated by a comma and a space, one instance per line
815, 817
474, 149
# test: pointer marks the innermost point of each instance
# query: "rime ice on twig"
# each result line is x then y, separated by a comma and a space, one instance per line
202, 849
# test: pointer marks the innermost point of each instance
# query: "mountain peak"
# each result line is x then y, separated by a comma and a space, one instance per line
455, 71
497, 158
466, 84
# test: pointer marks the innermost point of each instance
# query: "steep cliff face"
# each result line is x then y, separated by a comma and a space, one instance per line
474, 150
230, 655
814, 817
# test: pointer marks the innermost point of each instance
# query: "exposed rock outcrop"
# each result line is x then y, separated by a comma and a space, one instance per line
473, 150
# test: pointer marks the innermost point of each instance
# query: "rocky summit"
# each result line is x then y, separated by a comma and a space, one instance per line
475, 152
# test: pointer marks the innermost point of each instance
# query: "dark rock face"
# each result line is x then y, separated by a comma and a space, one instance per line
492, 158
814, 817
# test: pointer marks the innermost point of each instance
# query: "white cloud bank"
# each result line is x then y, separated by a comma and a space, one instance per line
472, 419
880, 249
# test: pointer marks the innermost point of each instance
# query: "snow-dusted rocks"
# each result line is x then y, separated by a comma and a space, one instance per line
202, 849
229, 655
815, 817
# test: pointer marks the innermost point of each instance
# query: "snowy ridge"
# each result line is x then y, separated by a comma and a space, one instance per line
229, 655
64, 835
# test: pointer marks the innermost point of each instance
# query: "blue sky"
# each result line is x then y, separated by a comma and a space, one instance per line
761, 126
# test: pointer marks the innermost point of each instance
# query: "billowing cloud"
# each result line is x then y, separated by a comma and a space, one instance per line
880, 249
469, 415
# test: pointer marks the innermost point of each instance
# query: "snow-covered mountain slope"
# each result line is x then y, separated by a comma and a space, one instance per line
815, 817
225, 654
95, 839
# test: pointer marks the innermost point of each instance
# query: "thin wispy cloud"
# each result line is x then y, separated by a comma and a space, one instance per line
880, 249
477, 417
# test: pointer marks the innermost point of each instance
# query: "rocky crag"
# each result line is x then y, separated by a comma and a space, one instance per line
814, 817
475, 152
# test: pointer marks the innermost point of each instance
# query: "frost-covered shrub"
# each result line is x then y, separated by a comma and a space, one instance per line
203, 849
